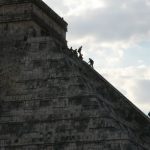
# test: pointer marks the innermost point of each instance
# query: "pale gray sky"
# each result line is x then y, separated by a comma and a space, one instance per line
116, 34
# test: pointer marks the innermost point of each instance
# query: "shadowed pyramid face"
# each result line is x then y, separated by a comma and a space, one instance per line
51, 100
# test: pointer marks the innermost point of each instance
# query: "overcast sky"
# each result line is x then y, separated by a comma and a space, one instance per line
116, 34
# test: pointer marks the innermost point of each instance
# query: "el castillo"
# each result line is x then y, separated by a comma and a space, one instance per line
50, 99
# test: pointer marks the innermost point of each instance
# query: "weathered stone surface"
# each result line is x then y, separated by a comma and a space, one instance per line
51, 100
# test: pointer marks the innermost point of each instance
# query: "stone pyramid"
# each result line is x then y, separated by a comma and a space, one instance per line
52, 100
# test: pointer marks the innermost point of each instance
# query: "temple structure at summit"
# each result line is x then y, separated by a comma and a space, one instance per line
52, 100
31, 17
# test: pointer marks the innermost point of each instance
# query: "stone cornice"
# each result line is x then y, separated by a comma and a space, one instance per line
15, 18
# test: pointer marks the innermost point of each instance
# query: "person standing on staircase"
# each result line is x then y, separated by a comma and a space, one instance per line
75, 52
81, 56
91, 62
79, 50
71, 49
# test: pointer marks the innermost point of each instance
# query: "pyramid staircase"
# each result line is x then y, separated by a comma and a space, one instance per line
52, 100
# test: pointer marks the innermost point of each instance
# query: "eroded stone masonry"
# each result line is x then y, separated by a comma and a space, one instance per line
52, 100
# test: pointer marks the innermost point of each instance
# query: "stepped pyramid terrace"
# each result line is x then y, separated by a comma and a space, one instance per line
52, 100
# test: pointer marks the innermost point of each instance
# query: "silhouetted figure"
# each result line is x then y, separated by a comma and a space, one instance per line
81, 56
75, 52
91, 62
71, 49
79, 50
